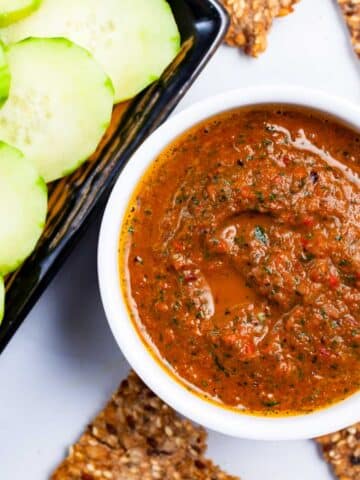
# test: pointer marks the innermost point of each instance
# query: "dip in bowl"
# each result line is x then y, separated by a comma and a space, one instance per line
229, 263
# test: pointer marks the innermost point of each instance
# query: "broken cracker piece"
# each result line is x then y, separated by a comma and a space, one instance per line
87, 458
139, 437
351, 12
251, 21
91, 460
137, 417
342, 451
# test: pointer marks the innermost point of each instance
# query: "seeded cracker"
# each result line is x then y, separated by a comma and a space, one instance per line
342, 451
351, 12
138, 437
251, 21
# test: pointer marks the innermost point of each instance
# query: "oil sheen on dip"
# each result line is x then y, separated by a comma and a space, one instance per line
240, 259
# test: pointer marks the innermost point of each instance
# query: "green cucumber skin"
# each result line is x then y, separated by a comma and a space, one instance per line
7, 18
23, 178
5, 76
2, 299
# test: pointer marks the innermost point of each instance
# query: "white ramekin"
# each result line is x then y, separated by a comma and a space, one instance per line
189, 404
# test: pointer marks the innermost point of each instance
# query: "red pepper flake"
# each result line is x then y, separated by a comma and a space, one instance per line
309, 221
334, 281
221, 246
178, 246
189, 276
248, 349
286, 160
304, 242
324, 352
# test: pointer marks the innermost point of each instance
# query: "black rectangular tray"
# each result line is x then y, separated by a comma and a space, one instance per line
74, 200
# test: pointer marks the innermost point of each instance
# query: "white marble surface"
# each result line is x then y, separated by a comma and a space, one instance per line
63, 363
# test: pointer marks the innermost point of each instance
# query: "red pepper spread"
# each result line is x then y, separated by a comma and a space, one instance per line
240, 258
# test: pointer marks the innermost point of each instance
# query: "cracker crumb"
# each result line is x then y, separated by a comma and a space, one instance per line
351, 13
342, 451
251, 21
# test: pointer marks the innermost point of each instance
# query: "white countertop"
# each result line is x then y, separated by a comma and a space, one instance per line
63, 363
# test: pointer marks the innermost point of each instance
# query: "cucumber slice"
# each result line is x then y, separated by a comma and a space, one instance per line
4, 76
59, 107
134, 40
2, 299
13, 10
23, 208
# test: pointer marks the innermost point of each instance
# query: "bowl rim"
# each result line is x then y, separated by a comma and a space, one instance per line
227, 421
